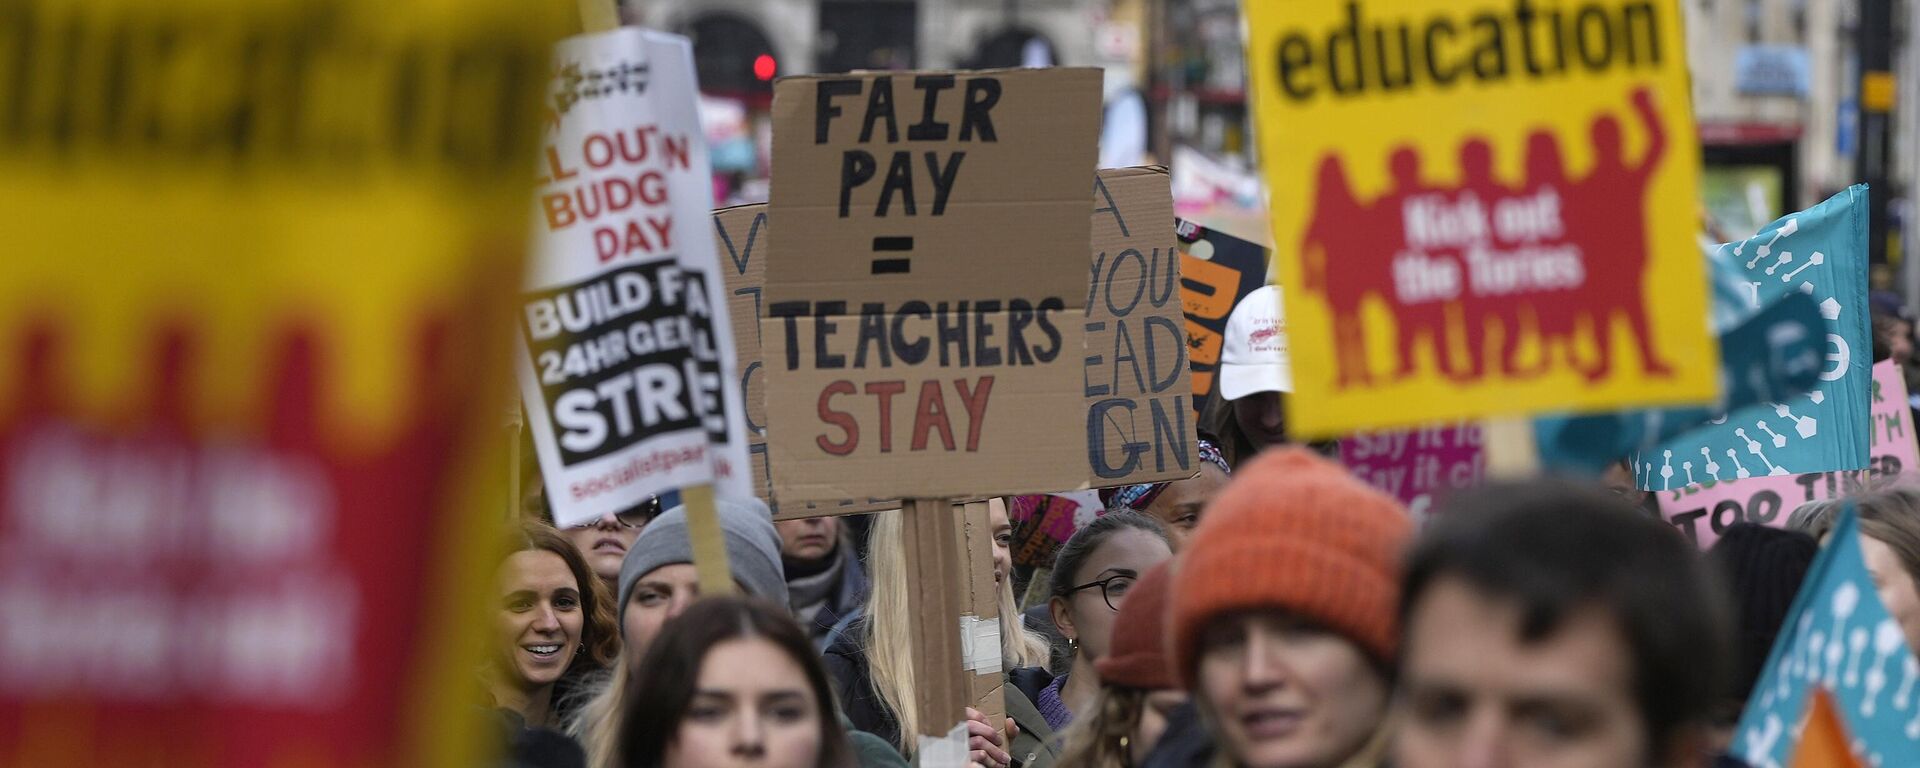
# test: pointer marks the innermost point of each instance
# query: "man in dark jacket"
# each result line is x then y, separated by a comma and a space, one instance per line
1556, 625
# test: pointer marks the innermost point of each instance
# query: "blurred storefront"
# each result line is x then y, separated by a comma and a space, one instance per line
1769, 134
1196, 77
740, 46
1777, 95
1775, 86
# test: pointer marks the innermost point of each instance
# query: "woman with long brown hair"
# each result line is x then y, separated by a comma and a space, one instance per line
733, 682
552, 619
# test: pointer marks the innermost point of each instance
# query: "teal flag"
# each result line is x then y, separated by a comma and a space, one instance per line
1820, 252
1837, 636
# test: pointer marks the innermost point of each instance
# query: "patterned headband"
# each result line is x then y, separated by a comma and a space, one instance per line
1138, 497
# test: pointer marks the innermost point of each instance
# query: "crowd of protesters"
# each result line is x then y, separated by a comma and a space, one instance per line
1270, 612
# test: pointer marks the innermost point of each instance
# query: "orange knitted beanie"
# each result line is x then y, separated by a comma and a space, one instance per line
1297, 533
1137, 657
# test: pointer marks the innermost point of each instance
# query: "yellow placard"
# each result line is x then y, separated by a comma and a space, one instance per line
1481, 207
254, 311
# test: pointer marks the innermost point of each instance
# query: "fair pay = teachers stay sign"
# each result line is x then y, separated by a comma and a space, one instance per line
1135, 372
933, 233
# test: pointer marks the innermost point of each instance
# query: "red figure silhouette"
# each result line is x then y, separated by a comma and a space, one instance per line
1350, 252
1553, 321
1339, 266
1478, 184
1610, 208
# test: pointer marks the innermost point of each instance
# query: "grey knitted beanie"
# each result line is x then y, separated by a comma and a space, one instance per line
753, 549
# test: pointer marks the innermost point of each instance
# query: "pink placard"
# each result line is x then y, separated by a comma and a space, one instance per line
1702, 511
1417, 466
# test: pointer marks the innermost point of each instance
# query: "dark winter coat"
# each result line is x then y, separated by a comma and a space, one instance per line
846, 663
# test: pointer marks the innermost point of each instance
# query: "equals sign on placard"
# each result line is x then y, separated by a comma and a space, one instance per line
892, 266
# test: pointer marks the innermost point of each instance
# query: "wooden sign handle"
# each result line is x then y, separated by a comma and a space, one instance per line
708, 543
933, 557
1510, 449
599, 15
516, 423
980, 619
955, 621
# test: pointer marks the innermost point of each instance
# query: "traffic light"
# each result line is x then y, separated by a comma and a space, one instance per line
734, 58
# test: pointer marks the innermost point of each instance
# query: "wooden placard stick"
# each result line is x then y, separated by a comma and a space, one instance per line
954, 622
980, 620
933, 549
516, 422
708, 543
1510, 449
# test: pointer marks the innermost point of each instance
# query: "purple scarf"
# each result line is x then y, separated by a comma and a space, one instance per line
1052, 709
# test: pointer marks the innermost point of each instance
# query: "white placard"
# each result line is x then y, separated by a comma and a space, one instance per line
626, 352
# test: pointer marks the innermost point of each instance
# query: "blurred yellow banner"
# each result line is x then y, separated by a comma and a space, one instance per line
253, 318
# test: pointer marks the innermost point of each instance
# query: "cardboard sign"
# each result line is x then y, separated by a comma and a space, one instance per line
1492, 216
251, 453
1417, 466
1702, 510
1134, 373
923, 330
1820, 252
1217, 270
1838, 637
628, 373
744, 242
1136, 380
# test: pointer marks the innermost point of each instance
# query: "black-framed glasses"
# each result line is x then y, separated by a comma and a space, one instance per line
1113, 589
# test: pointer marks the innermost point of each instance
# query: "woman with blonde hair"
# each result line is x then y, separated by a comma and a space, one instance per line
872, 667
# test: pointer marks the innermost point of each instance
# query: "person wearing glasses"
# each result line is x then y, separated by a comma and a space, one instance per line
605, 539
1091, 577
1137, 689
